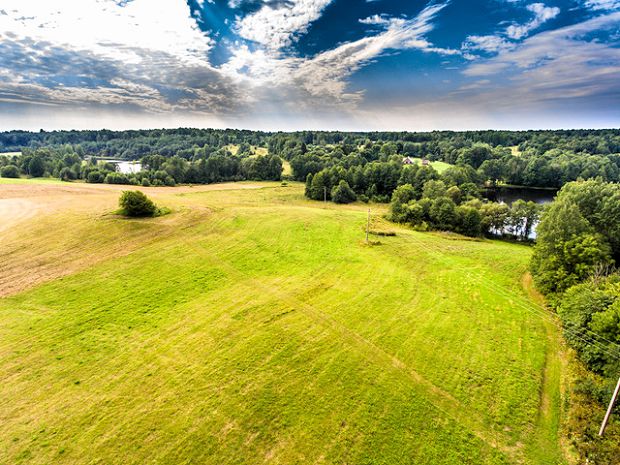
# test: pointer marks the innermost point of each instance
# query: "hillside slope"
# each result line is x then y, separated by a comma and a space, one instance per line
253, 326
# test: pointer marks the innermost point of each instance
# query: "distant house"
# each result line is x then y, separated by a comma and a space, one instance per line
408, 161
425, 162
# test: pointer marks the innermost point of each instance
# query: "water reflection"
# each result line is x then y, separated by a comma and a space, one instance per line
124, 166
509, 195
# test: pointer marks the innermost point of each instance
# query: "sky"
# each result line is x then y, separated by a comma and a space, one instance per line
309, 64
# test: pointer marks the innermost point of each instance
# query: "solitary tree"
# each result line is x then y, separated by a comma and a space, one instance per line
135, 203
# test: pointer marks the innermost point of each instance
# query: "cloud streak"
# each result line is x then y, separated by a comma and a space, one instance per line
542, 14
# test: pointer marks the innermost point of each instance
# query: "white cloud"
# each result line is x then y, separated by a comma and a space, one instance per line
325, 73
136, 54
149, 59
320, 82
277, 26
107, 28
542, 14
603, 4
375, 20
496, 43
488, 43
555, 79
546, 48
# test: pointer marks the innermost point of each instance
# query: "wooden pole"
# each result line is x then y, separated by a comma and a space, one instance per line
324, 194
367, 225
610, 408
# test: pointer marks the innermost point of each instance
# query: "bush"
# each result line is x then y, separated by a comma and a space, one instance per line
66, 174
413, 213
591, 311
578, 234
10, 171
468, 221
343, 193
116, 178
36, 168
135, 203
443, 214
95, 177
401, 196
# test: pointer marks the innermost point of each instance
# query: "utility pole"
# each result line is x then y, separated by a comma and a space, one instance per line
324, 194
367, 225
610, 408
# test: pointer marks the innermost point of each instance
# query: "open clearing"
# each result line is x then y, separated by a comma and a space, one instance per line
439, 166
254, 326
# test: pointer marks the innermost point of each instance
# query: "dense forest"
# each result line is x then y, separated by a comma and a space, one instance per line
528, 158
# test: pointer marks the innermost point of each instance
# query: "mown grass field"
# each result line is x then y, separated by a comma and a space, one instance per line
439, 166
30, 181
252, 326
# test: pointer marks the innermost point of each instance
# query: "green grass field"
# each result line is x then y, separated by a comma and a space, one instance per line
439, 166
31, 181
258, 327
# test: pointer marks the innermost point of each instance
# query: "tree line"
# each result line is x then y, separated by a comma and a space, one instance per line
506, 165
158, 170
528, 158
574, 264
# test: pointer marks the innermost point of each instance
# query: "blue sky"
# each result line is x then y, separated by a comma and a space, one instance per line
310, 64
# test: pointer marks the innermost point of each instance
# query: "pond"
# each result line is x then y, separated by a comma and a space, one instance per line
123, 166
128, 167
509, 195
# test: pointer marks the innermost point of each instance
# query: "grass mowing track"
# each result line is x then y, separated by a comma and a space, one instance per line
264, 330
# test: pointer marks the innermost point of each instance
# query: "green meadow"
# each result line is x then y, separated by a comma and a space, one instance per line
24, 180
254, 326
439, 166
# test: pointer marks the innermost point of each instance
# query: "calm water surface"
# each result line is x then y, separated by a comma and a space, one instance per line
509, 195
